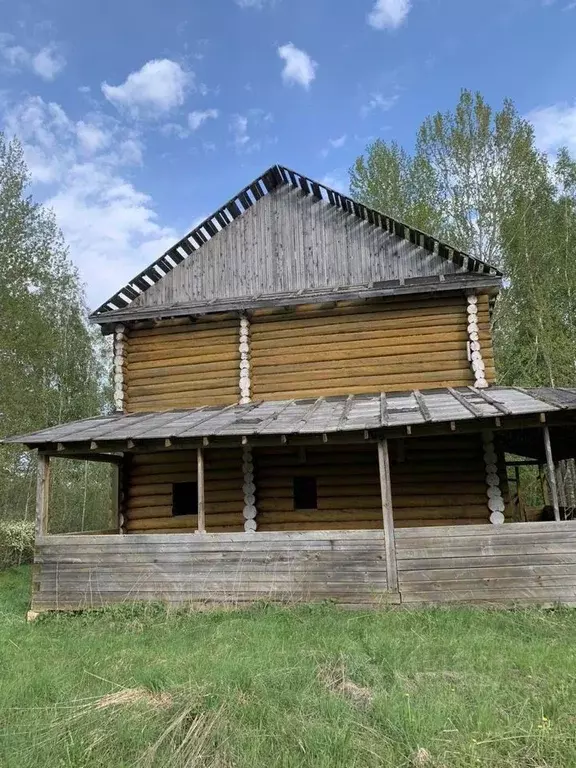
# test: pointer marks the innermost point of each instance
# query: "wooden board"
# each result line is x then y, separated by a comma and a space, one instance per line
515, 562
87, 571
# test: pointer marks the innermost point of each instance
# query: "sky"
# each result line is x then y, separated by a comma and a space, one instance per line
139, 119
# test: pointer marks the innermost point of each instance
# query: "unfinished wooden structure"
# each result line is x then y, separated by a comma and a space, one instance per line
306, 408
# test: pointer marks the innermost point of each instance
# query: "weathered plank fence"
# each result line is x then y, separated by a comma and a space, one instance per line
514, 563
87, 571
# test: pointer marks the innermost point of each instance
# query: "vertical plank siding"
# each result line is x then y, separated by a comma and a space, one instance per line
148, 506
88, 571
518, 562
290, 242
391, 345
182, 365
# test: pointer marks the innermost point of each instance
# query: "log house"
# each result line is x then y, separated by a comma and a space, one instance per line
306, 407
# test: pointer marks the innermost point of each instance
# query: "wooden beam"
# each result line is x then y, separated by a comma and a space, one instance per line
551, 472
42, 494
201, 505
386, 492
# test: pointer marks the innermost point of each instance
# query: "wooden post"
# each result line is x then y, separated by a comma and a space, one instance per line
386, 493
201, 507
42, 494
551, 472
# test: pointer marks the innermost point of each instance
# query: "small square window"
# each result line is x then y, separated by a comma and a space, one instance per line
305, 493
184, 499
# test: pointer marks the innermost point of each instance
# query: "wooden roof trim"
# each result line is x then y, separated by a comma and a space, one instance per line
271, 179
416, 285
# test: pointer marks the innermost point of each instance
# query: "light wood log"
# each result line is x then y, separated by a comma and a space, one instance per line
551, 472
200, 481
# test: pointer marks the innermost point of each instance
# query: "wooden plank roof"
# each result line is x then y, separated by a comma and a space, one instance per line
314, 416
275, 177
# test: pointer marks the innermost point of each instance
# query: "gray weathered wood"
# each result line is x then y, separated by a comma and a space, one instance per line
42, 494
387, 515
200, 481
274, 247
551, 472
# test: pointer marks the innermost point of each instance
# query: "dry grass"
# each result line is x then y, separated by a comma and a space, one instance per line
302, 687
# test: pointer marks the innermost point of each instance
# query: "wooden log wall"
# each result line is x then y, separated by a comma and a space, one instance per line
179, 364
73, 572
518, 562
390, 345
148, 506
435, 481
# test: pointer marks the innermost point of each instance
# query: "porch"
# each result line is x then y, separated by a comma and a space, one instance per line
405, 488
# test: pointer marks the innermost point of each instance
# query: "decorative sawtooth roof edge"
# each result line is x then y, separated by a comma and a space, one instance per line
275, 177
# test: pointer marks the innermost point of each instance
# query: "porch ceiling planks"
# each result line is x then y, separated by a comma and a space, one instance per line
352, 413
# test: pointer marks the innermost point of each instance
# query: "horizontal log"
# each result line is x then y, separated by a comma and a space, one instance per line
182, 521
183, 328
444, 379
344, 316
186, 357
342, 341
178, 372
320, 353
169, 403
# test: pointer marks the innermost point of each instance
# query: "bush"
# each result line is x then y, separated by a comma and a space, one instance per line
16, 542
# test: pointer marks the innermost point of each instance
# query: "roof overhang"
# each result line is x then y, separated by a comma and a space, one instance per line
430, 285
347, 419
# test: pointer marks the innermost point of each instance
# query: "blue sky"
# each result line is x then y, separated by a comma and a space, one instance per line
140, 118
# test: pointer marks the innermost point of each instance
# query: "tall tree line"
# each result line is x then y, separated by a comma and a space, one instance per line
476, 179
53, 366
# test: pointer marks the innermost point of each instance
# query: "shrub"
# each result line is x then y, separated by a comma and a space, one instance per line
16, 542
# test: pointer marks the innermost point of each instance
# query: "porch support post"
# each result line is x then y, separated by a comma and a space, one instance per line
42, 494
201, 528
551, 472
387, 516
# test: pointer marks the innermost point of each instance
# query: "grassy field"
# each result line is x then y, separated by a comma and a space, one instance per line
301, 686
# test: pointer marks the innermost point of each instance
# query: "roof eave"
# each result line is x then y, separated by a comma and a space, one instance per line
456, 283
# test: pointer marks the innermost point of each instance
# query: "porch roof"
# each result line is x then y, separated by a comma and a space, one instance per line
323, 415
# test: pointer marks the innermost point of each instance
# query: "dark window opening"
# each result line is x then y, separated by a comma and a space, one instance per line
185, 499
305, 493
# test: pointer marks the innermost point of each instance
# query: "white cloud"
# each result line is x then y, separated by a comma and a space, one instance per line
259, 4
299, 68
155, 89
334, 144
554, 126
378, 101
197, 118
91, 138
389, 14
242, 126
79, 169
239, 130
46, 62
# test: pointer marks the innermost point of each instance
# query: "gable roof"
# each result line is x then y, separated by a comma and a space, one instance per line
275, 178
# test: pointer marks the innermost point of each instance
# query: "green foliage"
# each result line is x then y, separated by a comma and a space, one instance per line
52, 364
476, 179
16, 542
299, 687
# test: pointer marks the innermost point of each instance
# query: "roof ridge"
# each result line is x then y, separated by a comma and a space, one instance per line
274, 177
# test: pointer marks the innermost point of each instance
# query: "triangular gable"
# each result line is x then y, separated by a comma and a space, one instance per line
286, 233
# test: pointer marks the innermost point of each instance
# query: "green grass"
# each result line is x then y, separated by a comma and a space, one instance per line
302, 686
